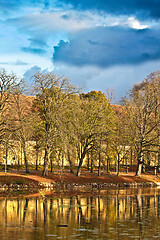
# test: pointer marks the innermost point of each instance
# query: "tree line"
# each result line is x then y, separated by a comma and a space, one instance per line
82, 128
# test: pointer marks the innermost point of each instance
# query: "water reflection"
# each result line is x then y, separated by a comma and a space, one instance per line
113, 214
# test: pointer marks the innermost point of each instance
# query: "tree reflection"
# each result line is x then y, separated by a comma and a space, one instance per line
25, 210
113, 214
69, 209
80, 213
5, 212
45, 210
139, 215
158, 206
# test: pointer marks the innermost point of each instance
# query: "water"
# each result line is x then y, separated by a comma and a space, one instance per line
107, 214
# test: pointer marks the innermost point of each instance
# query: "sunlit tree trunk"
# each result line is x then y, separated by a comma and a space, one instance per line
140, 164
79, 166
47, 150
6, 156
99, 163
25, 155
46, 160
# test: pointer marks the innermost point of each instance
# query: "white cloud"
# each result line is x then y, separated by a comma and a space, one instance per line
11, 62
135, 24
69, 21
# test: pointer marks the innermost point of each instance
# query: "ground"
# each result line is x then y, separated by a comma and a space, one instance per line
35, 179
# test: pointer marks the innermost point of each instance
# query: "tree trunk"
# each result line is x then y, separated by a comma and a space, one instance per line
88, 161
37, 159
91, 162
148, 159
26, 163
46, 160
18, 164
126, 165
131, 158
6, 157
139, 168
140, 164
80, 163
79, 166
62, 162
108, 170
51, 161
70, 162
25, 156
99, 164
117, 166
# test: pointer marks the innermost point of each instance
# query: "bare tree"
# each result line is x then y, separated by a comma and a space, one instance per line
142, 111
51, 93
20, 111
7, 83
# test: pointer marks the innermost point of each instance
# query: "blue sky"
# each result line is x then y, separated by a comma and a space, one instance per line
97, 44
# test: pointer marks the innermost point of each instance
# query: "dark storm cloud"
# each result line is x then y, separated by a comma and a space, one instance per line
108, 46
143, 8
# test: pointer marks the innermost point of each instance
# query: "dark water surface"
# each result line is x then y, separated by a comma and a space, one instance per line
106, 214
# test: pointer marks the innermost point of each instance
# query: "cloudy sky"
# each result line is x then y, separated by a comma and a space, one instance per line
97, 44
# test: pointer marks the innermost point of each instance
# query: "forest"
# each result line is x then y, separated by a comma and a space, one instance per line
84, 130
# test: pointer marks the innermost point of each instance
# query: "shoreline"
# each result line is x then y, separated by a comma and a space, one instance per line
34, 180
74, 186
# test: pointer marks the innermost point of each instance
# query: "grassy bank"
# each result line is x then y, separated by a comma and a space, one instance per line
35, 180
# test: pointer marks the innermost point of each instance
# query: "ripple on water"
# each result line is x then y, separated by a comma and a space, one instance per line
51, 235
76, 235
124, 234
135, 237
84, 230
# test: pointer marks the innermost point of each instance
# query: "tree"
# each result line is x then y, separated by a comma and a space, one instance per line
7, 83
121, 141
20, 112
91, 123
37, 138
51, 94
142, 111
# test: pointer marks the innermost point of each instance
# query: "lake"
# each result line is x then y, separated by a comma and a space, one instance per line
100, 214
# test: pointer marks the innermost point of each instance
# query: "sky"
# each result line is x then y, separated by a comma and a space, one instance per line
96, 44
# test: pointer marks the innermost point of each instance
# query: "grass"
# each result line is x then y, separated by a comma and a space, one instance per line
11, 180
35, 178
